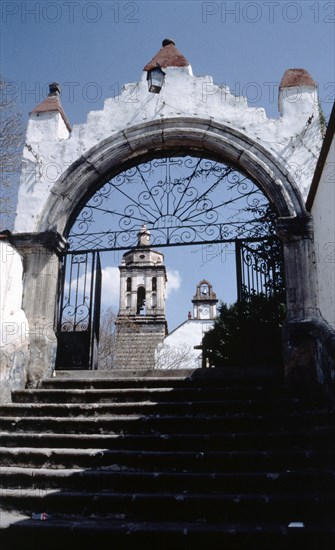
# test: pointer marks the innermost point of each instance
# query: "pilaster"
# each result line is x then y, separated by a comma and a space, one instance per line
299, 345
41, 263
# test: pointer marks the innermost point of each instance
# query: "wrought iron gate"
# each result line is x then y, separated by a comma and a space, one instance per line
259, 270
182, 201
259, 284
79, 311
261, 302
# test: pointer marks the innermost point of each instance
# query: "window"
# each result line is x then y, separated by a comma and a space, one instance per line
141, 309
153, 300
128, 284
204, 290
154, 284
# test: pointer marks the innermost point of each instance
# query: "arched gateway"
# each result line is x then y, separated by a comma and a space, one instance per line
171, 137
190, 116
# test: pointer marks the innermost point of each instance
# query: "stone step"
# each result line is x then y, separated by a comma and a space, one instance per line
186, 423
168, 460
171, 506
147, 394
103, 479
223, 373
314, 438
196, 407
112, 532
125, 382
196, 461
156, 380
110, 383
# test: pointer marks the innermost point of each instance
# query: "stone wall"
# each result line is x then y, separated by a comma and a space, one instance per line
136, 343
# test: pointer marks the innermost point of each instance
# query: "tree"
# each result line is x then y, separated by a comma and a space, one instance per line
11, 142
178, 357
107, 339
247, 333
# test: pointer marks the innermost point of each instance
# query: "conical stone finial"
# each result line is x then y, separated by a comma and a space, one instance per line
168, 56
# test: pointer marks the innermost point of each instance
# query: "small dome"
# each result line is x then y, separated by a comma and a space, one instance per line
168, 56
52, 104
297, 77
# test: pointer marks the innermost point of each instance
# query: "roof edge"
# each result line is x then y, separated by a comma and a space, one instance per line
330, 132
52, 104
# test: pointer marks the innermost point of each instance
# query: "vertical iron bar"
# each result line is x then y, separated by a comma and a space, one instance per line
248, 277
238, 270
85, 280
76, 296
97, 306
61, 298
258, 274
252, 271
70, 284
96, 314
90, 309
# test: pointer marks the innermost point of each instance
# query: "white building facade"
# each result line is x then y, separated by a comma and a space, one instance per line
182, 348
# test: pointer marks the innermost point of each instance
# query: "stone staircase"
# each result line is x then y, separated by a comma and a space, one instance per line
176, 459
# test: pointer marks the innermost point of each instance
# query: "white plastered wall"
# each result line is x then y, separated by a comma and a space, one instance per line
294, 138
323, 212
14, 349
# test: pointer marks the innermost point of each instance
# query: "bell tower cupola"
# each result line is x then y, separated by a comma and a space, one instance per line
141, 319
204, 301
143, 281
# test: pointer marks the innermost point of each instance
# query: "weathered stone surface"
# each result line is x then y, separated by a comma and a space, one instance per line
182, 96
225, 474
136, 345
39, 298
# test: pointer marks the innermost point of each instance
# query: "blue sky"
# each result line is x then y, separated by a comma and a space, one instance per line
93, 48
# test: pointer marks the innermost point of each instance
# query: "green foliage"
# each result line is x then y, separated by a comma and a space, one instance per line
247, 333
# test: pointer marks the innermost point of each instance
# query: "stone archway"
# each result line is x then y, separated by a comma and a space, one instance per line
173, 136
136, 144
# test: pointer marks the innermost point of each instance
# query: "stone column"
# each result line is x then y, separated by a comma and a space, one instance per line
40, 253
299, 344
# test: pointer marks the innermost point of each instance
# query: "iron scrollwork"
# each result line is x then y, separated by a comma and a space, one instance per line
181, 200
75, 311
261, 267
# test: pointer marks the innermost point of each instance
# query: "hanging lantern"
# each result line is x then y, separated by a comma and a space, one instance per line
155, 79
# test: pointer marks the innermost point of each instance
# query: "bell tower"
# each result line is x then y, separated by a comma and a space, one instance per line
141, 323
204, 301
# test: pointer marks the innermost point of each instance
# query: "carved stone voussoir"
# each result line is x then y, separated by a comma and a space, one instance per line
296, 228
